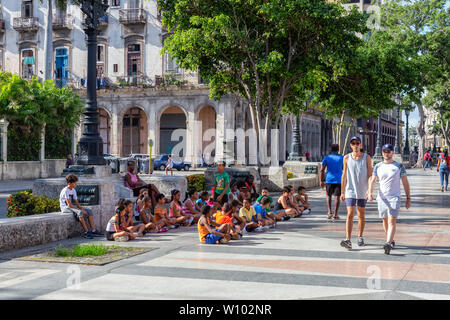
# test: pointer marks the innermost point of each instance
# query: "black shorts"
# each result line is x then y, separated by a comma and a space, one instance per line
110, 236
333, 189
224, 198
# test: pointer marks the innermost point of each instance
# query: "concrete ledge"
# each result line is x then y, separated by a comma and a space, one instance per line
21, 232
20, 170
275, 178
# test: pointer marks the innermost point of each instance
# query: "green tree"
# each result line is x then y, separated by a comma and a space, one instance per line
271, 53
29, 105
421, 28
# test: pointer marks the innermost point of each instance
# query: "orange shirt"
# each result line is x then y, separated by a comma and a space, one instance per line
202, 230
222, 218
159, 212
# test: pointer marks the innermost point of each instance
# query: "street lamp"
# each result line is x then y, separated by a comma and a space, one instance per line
398, 100
296, 145
91, 143
434, 135
378, 148
406, 149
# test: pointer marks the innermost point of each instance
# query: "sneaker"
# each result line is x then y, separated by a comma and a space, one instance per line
361, 241
236, 236
223, 241
88, 235
307, 211
139, 234
393, 244
330, 215
286, 218
387, 248
336, 218
346, 244
266, 228
442, 189
163, 229
97, 233
122, 239
259, 229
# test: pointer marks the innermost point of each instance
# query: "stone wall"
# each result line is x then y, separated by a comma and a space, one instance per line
275, 178
12, 170
22, 232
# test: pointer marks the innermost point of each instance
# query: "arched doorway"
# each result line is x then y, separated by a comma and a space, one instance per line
206, 142
171, 119
104, 127
134, 132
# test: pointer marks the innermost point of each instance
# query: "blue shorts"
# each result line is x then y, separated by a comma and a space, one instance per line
212, 238
352, 202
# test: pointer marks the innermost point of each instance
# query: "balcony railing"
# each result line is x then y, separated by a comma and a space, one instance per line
132, 16
25, 24
63, 22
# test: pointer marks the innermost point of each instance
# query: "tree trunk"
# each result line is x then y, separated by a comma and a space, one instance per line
339, 134
347, 136
48, 49
421, 134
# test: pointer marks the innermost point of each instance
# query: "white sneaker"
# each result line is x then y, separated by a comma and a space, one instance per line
172, 226
259, 229
266, 228
307, 211
122, 239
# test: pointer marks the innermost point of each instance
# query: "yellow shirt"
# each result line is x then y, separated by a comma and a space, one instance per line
248, 214
202, 231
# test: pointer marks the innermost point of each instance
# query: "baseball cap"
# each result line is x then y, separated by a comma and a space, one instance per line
355, 138
388, 146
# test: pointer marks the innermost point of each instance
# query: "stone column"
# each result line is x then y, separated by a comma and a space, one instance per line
152, 127
4, 136
115, 137
189, 138
42, 151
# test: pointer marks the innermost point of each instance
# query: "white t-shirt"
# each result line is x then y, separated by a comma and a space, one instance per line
390, 175
66, 193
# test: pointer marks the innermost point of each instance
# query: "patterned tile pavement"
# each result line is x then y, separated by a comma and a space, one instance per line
299, 259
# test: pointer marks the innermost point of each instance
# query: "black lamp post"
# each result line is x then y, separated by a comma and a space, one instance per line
296, 143
91, 145
406, 148
398, 100
378, 147
434, 136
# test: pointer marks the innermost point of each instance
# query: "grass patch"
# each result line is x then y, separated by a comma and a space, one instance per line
82, 250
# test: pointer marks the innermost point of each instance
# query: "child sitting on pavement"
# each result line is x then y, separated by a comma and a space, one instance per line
207, 234
176, 212
138, 229
225, 216
190, 207
302, 200
161, 213
149, 219
204, 197
116, 230
68, 202
260, 209
248, 214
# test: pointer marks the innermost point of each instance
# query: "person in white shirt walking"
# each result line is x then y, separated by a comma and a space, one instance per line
390, 173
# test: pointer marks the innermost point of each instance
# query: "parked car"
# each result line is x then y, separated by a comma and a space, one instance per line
159, 163
138, 156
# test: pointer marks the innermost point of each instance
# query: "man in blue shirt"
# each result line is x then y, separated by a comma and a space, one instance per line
333, 164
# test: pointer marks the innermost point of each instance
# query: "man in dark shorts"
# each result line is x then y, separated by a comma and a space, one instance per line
333, 164
221, 184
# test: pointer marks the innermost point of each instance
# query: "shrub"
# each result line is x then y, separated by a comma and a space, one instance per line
290, 175
23, 203
196, 181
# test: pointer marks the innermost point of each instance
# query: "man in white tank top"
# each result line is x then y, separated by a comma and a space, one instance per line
354, 186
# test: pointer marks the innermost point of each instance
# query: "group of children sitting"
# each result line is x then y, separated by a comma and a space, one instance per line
217, 221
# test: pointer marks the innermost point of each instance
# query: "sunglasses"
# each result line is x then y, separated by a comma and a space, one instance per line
355, 143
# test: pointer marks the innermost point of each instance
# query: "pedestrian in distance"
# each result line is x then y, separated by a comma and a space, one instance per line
169, 165
443, 167
390, 173
69, 161
357, 169
330, 177
427, 159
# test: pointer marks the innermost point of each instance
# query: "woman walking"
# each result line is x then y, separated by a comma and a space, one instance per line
443, 167
169, 165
